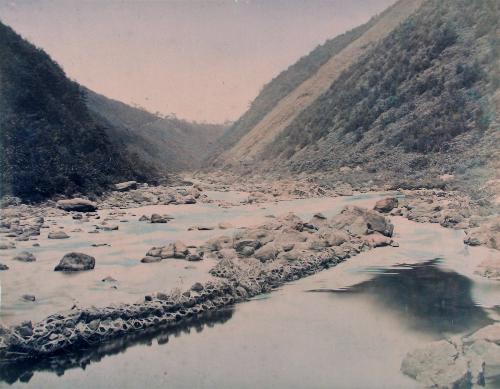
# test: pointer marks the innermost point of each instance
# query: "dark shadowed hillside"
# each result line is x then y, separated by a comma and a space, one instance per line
168, 143
49, 141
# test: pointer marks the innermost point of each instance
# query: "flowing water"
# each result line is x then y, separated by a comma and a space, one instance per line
346, 327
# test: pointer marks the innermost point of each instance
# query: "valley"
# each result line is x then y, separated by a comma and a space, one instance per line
344, 231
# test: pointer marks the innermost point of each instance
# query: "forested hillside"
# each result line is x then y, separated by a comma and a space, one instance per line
169, 144
49, 141
424, 100
422, 103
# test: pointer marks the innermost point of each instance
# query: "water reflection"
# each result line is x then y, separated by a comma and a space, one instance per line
427, 297
58, 364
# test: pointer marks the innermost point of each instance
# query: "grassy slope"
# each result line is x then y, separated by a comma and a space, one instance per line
418, 105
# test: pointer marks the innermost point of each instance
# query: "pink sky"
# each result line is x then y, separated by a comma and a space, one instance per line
202, 60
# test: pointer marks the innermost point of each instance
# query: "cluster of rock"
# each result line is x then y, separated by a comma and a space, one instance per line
450, 210
456, 363
130, 195
284, 249
266, 189
156, 218
14, 225
177, 250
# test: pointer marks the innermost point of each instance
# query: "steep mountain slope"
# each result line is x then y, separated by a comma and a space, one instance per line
49, 141
286, 82
265, 124
169, 144
421, 103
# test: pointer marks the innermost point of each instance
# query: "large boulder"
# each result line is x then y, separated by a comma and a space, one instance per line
77, 205
438, 365
386, 205
126, 186
156, 218
360, 221
75, 262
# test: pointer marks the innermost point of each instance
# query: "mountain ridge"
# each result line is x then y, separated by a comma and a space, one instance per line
420, 104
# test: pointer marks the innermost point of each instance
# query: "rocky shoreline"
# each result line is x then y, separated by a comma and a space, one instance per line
249, 262
237, 280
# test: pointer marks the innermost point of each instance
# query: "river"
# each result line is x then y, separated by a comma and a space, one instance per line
346, 327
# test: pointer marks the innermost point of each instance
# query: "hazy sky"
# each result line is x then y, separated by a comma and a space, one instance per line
203, 60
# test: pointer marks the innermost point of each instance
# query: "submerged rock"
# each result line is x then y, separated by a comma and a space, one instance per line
149, 259
438, 365
77, 204
58, 235
489, 268
28, 297
75, 262
25, 256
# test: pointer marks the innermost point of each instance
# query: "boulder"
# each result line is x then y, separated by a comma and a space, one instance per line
144, 218
438, 365
247, 251
386, 205
77, 205
149, 259
75, 262
218, 243
180, 250
126, 186
112, 227
155, 218
240, 246
28, 297
266, 253
58, 235
193, 257
333, 237
359, 221
197, 287
377, 240
189, 199
3, 267
25, 256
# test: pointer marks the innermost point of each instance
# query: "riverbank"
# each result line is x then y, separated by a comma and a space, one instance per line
329, 242
226, 260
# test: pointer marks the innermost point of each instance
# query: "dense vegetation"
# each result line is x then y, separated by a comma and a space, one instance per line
422, 97
168, 143
287, 81
49, 141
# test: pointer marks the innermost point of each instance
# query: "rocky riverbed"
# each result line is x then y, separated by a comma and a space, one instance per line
190, 250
